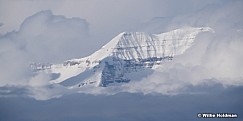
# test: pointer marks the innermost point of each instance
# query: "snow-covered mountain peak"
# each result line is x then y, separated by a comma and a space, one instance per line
128, 52
139, 45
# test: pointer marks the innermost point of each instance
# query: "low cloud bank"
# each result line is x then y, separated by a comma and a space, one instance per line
125, 107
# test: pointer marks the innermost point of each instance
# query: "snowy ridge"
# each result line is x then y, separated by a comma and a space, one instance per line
127, 53
140, 45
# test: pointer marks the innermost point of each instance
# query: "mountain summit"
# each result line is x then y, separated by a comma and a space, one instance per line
127, 57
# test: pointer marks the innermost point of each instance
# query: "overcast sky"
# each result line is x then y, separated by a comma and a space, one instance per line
104, 19
52, 31
99, 13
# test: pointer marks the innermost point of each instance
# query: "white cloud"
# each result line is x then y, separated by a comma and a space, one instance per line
42, 37
53, 38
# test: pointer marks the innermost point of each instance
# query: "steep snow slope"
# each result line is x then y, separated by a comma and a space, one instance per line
128, 52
